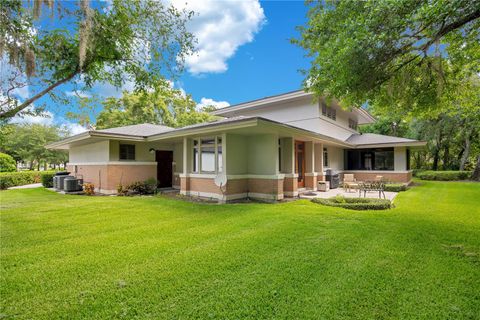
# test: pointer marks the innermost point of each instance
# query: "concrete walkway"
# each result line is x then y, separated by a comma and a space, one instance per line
307, 194
27, 186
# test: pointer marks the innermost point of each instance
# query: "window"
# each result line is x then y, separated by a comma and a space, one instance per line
207, 155
279, 155
370, 159
329, 112
325, 157
352, 124
127, 152
195, 155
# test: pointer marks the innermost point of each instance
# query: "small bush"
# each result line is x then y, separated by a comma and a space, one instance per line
7, 163
355, 203
395, 187
13, 179
89, 189
444, 175
47, 179
143, 187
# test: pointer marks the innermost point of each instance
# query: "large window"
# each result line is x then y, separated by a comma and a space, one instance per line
207, 155
127, 152
369, 159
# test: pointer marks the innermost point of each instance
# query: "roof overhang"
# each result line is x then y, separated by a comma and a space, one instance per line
90, 136
412, 144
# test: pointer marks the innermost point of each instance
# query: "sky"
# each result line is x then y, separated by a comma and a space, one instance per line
243, 53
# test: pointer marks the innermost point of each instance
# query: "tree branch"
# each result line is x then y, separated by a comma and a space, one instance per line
11, 113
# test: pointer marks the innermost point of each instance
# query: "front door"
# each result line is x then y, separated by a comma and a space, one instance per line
164, 168
300, 162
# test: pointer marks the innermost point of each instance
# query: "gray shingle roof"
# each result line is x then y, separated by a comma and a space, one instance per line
143, 130
372, 138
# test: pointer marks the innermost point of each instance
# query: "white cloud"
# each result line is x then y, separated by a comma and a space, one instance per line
48, 118
205, 102
220, 27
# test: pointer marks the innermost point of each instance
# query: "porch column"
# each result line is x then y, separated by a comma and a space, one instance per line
310, 174
290, 183
319, 161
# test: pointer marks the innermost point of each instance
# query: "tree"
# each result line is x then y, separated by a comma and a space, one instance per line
397, 54
162, 104
7, 163
117, 42
26, 142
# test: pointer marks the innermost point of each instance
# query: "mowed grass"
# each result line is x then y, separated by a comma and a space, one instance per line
75, 257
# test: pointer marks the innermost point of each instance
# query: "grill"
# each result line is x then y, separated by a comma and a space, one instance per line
333, 177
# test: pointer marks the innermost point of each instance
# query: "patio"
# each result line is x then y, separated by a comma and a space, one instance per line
309, 194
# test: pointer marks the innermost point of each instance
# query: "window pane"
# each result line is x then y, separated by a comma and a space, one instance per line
384, 160
195, 160
208, 159
127, 152
206, 142
325, 157
219, 155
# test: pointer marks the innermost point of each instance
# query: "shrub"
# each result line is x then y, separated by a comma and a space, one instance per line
13, 179
355, 203
444, 175
143, 187
395, 187
89, 189
47, 179
7, 163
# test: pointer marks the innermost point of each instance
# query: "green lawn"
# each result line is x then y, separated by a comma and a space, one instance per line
115, 257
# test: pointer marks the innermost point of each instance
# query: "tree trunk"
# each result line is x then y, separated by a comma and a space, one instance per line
466, 152
446, 156
476, 172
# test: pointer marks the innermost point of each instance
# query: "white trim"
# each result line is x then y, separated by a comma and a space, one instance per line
116, 163
292, 194
291, 175
311, 174
265, 196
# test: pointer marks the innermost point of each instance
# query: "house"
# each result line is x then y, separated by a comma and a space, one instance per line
269, 148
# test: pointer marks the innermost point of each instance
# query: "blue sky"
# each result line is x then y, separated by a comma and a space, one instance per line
244, 53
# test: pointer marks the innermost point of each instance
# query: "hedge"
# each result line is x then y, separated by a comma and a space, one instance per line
444, 175
7, 163
47, 179
395, 187
13, 179
355, 203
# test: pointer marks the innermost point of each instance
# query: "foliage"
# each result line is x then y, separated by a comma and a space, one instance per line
47, 179
13, 179
142, 187
274, 261
26, 142
395, 187
355, 203
111, 42
7, 163
161, 105
89, 189
444, 175
393, 54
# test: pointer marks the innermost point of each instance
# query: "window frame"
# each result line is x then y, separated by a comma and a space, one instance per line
126, 152
328, 112
196, 163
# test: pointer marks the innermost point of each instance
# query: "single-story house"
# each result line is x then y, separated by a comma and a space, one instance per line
269, 148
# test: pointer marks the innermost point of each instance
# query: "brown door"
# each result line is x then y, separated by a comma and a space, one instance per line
164, 168
300, 162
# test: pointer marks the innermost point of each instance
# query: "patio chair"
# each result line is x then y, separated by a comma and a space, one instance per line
349, 182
